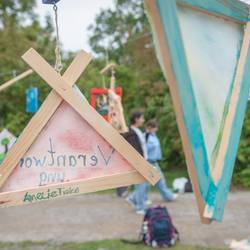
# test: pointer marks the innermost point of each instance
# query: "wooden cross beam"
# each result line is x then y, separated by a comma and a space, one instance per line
108, 68
81, 105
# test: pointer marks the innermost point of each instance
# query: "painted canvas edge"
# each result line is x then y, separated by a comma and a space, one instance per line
232, 9
168, 68
67, 189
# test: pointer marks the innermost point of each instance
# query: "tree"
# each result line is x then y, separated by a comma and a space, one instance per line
125, 34
113, 28
16, 36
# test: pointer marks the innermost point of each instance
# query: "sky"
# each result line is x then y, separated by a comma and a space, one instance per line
74, 17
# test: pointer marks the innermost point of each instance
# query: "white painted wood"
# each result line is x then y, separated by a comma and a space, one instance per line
212, 48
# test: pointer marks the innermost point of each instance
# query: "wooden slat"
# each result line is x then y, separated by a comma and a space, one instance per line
88, 113
168, 69
23, 197
219, 162
109, 67
41, 118
6, 85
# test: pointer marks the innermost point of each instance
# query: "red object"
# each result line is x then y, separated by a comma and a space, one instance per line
100, 100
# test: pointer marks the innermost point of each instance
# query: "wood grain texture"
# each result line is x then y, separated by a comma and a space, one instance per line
81, 105
170, 75
9, 83
63, 190
41, 118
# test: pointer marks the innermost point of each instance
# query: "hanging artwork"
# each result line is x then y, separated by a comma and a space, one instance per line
32, 100
203, 48
116, 114
100, 100
67, 148
6, 142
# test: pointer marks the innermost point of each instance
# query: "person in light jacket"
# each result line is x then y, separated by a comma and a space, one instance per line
154, 155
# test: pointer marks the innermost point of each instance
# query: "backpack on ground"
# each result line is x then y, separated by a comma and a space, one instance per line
158, 229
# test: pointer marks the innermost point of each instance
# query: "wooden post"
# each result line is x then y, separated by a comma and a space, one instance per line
9, 83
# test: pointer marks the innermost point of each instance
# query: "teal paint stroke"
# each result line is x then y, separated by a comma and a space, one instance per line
168, 15
234, 9
224, 184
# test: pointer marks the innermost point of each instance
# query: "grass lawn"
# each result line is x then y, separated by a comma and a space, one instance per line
97, 245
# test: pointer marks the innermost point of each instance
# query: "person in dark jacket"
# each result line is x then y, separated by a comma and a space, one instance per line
136, 138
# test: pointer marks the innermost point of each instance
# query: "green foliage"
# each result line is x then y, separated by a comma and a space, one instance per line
242, 171
95, 245
114, 27
124, 33
16, 36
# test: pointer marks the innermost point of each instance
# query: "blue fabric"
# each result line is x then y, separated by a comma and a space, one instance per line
32, 100
140, 194
153, 148
162, 187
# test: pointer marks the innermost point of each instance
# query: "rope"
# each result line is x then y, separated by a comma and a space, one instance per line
58, 62
112, 79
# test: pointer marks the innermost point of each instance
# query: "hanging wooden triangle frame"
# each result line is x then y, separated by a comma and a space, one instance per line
63, 91
208, 186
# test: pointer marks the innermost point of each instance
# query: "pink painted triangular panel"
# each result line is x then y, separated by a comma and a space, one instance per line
67, 149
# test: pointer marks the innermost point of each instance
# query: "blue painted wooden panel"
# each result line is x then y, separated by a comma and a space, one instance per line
168, 14
204, 52
50, 1
234, 9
